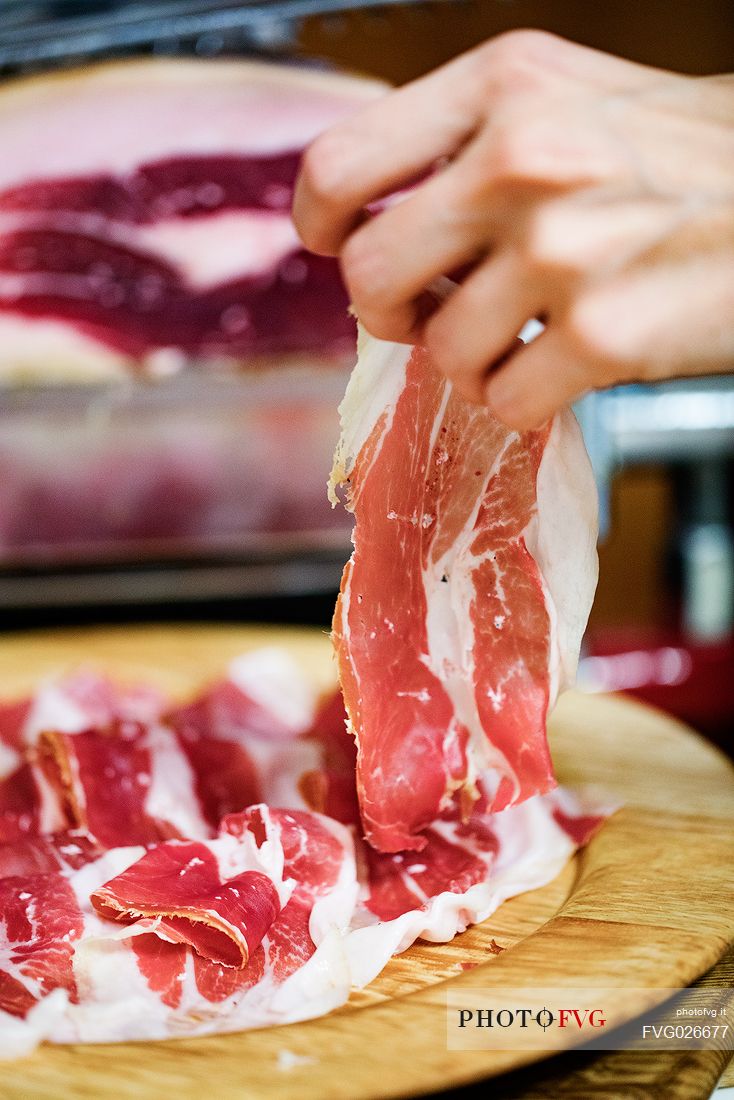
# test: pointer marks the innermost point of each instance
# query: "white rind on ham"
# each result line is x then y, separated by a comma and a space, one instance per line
229, 106
567, 524
9, 760
533, 849
46, 352
374, 387
53, 709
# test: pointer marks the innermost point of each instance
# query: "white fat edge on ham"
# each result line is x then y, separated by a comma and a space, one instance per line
116, 1003
274, 680
562, 540
171, 794
10, 760
55, 707
52, 709
91, 953
237, 854
91, 876
322, 984
34, 349
138, 112
19, 1037
373, 391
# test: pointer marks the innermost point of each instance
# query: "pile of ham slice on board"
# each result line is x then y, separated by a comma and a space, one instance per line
145, 218
186, 869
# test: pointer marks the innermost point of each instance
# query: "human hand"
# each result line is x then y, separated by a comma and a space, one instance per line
590, 192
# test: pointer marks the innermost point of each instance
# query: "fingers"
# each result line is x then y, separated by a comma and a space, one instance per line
389, 261
536, 382
480, 322
380, 149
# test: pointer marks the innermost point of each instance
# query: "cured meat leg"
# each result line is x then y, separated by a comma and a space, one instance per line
462, 608
145, 218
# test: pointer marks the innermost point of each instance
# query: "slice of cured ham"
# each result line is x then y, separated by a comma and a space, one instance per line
74, 774
112, 931
64, 851
41, 921
462, 607
19, 804
242, 735
70, 704
183, 886
145, 217
167, 984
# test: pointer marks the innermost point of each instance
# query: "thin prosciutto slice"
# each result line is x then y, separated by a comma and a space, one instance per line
317, 856
75, 773
66, 851
245, 736
180, 884
462, 608
19, 804
150, 225
39, 924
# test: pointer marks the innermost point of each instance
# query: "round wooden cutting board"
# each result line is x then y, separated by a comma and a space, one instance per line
649, 903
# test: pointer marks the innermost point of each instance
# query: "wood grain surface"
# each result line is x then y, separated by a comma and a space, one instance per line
649, 903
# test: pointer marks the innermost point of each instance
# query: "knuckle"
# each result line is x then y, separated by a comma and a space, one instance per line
522, 152
512, 58
439, 340
548, 243
383, 326
507, 155
365, 271
323, 167
524, 42
602, 337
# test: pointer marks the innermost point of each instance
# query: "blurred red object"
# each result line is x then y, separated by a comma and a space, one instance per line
694, 682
